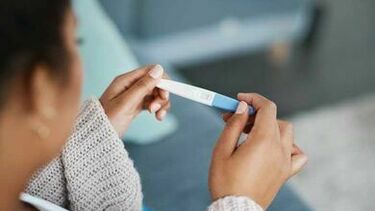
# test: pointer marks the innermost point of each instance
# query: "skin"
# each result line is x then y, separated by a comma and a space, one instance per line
261, 165
22, 152
256, 169
132, 92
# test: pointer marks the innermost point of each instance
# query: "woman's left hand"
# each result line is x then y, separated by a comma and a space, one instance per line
132, 92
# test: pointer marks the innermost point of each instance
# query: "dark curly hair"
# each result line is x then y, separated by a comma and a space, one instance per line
31, 33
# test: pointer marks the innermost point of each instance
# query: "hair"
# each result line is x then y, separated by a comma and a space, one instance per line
31, 33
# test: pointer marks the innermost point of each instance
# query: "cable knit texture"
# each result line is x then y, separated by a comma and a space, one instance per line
235, 203
94, 171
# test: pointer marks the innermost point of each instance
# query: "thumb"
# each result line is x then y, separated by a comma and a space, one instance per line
232, 131
144, 86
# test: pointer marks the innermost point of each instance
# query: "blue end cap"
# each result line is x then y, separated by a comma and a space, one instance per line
228, 104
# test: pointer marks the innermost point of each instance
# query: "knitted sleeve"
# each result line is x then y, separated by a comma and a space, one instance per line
49, 183
98, 171
234, 203
93, 172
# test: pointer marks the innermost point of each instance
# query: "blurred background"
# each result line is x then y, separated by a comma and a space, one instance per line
315, 59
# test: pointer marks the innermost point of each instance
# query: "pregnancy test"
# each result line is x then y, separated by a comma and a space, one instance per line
201, 95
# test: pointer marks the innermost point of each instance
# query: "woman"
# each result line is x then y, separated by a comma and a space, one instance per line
41, 77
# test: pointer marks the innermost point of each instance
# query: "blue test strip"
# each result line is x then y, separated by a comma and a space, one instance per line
201, 95
228, 104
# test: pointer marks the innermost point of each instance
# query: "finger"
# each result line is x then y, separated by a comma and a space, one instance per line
298, 162
153, 98
248, 127
156, 104
296, 150
163, 94
286, 134
265, 118
147, 102
249, 124
232, 131
227, 116
123, 81
160, 115
144, 86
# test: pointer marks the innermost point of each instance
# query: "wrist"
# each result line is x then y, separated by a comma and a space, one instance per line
256, 198
120, 122
235, 202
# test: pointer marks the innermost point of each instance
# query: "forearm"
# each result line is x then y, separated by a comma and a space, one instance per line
99, 173
93, 172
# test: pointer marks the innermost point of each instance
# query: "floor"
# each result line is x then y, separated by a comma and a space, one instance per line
340, 142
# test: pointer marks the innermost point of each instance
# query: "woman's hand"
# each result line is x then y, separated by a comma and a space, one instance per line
258, 167
132, 92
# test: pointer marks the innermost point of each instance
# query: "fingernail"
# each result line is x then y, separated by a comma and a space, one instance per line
242, 106
156, 72
155, 107
162, 114
166, 95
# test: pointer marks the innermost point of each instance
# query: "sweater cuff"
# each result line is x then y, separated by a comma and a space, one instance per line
98, 171
93, 111
238, 203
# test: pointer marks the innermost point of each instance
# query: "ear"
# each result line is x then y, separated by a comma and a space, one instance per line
43, 91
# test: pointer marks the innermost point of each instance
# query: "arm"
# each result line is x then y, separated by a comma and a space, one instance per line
98, 171
93, 172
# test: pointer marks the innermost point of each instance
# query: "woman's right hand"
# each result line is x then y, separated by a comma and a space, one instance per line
260, 166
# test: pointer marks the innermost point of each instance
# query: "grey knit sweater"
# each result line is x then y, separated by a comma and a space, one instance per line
94, 171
